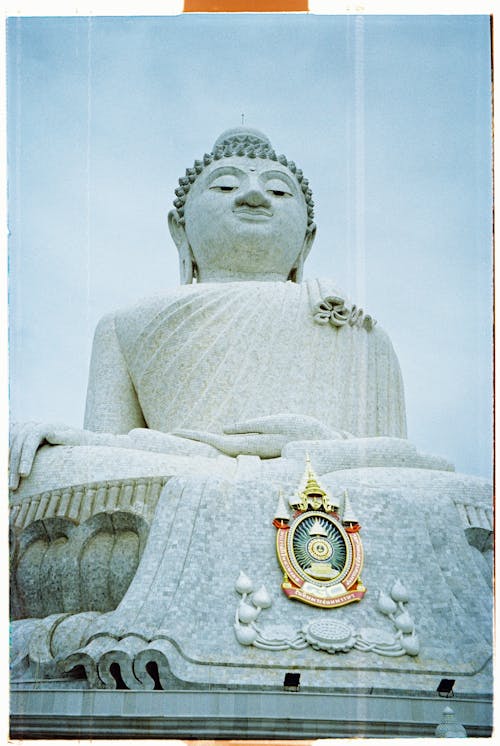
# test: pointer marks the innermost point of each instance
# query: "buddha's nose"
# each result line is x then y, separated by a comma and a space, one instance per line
254, 197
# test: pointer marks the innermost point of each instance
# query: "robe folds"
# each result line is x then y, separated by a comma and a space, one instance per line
126, 560
205, 356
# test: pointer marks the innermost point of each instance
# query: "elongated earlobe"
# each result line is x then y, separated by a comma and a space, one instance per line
188, 269
187, 264
295, 274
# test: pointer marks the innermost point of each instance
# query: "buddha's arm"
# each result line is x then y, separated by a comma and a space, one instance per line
113, 416
112, 405
112, 409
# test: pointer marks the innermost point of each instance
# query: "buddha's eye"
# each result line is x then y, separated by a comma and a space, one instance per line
225, 183
278, 188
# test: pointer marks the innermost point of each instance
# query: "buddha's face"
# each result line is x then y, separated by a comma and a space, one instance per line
245, 218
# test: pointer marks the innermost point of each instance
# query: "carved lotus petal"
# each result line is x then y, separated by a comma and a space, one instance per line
339, 315
247, 613
356, 315
245, 635
399, 592
322, 317
243, 584
410, 644
261, 598
385, 603
331, 302
404, 622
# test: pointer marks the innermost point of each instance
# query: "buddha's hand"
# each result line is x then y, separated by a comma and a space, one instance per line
265, 436
27, 437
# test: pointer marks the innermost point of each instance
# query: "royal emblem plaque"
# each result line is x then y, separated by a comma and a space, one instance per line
319, 547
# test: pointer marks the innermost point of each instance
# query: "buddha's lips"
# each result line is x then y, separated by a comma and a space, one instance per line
253, 212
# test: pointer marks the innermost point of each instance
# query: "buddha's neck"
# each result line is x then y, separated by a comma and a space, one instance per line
218, 276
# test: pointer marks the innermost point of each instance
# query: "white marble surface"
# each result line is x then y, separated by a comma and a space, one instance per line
201, 404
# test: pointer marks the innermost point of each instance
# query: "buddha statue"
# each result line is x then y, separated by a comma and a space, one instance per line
243, 226
201, 404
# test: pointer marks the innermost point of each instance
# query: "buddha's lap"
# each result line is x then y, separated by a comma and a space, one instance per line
81, 520
77, 483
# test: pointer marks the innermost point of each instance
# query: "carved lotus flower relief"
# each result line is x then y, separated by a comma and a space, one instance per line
333, 310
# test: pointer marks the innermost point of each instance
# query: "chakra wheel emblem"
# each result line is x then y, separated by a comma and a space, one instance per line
319, 547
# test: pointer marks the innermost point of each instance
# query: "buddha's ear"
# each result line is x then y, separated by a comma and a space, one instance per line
187, 265
295, 274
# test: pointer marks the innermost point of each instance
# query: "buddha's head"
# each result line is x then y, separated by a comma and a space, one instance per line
242, 213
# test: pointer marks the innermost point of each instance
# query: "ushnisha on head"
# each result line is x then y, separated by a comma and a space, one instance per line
242, 213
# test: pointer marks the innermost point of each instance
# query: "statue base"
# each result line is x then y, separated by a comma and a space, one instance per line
214, 714
173, 639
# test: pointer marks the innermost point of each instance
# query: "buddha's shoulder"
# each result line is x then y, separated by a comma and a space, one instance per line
132, 320
146, 309
152, 304
321, 301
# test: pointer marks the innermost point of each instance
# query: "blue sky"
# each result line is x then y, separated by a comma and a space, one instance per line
389, 118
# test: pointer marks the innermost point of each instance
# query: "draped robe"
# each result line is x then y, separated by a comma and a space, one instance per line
207, 355
201, 357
